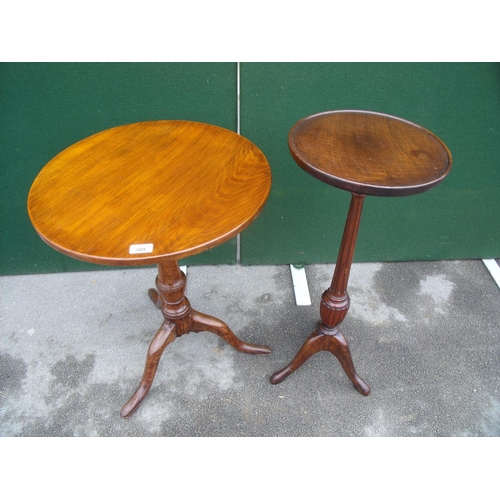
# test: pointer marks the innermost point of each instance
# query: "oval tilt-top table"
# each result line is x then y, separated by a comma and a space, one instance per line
152, 193
366, 153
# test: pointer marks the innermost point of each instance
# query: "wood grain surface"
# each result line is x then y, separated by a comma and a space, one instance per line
181, 187
369, 153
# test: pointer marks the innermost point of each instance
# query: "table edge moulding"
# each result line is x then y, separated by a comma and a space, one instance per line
314, 126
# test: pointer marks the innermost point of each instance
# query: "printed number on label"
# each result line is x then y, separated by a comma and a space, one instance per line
143, 248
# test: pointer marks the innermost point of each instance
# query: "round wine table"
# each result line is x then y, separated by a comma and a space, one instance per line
366, 153
151, 193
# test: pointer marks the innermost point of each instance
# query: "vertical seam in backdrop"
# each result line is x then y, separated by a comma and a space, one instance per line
238, 117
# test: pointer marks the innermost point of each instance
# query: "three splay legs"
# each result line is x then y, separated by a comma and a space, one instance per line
179, 319
334, 343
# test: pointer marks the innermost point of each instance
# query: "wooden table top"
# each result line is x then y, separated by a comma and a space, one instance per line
369, 153
139, 193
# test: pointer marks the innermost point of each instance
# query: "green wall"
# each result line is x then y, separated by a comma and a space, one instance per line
45, 107
303, 219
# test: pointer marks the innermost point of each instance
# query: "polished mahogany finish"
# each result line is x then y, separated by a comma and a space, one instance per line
182, 186
368, 154
152, 193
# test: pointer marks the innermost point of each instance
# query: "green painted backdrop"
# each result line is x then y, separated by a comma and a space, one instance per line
303, 219
45, 107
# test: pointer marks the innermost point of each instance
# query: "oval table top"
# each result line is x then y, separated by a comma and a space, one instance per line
369, 153
139, 193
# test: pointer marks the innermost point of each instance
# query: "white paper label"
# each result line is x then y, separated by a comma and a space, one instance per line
143, 248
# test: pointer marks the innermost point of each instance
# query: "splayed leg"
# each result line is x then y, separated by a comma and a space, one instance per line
165, 336
203, 322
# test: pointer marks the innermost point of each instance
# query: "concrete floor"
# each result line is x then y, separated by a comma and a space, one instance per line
424, 335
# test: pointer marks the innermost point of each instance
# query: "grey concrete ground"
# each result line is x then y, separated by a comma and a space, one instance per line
424, 335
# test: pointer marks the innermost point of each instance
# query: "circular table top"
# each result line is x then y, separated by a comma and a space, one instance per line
369, 153
139, 193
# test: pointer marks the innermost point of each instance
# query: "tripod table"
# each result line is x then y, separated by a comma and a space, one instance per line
151, 193
366, 153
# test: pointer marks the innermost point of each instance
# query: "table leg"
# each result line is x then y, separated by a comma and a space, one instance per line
333, 309
179, 319
166, 335
204, 323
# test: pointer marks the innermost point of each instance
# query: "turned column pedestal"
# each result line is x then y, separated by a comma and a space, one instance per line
333, 309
